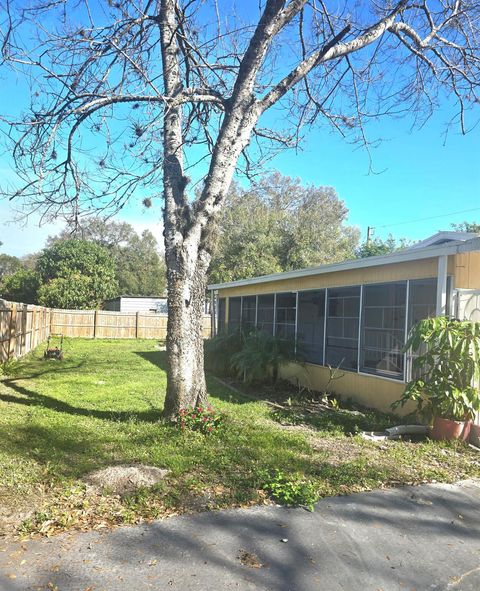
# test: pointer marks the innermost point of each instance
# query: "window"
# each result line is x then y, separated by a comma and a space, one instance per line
422, 303
265, 313
221, 315
343, 310
383, 329
422, 300
286, 306
311, 324
234, 312
249, 306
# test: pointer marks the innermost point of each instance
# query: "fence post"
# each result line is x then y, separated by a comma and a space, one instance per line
12, 339
136, 324
95, 322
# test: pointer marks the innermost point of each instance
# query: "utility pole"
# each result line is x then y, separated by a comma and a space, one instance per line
370, 230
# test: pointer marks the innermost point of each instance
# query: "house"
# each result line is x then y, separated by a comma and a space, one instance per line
132, 303
356, 315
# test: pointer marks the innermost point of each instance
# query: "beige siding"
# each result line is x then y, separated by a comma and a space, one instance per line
364, 389
467, 270
394, 272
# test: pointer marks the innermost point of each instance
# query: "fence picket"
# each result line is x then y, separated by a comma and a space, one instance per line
23, 327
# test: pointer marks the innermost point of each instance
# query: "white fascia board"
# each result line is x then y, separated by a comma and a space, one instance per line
451, 236
402, 256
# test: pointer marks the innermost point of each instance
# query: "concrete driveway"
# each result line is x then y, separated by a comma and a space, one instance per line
412, 538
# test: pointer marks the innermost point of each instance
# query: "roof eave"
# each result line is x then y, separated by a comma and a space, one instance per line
452, 248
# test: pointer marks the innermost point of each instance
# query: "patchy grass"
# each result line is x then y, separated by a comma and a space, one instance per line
102, 406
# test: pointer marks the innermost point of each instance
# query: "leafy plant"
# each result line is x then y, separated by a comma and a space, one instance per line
289, 491
76, 274
446, 369
262, 355
219, 352
10, 368
203, 419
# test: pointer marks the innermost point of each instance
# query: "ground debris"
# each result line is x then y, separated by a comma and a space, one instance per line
249, 559
126, 478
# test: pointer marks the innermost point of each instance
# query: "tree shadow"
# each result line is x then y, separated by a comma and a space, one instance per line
157, 358
18, 394
216, 387
385, 539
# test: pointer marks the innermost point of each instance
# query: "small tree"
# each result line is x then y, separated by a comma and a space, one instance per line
139, 268
473, 227
76, 274
377, 247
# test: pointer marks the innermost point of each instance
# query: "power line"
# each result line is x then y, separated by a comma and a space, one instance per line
434, 217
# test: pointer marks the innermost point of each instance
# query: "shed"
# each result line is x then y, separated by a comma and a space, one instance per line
133, 303
355, 315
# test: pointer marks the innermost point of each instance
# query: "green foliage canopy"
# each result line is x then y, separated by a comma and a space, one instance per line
377, 247
21, 286
139, 269
9, 264
76, 274
279, 225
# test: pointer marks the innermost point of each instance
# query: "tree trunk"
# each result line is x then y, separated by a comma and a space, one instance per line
186, 385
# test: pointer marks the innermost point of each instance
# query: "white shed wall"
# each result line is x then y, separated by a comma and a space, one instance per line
142, 304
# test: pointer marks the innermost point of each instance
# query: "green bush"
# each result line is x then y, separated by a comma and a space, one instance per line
446, 369
293, 492
262, 355
10, 368
201, 418
219, 352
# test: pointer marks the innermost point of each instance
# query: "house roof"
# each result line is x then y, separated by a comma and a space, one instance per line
443, 238
454, 243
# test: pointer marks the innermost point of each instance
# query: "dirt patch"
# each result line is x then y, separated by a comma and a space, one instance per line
14, 509
126, 478
339, 450
249, 559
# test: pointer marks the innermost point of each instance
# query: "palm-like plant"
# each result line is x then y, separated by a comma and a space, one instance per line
447, 369
262, 355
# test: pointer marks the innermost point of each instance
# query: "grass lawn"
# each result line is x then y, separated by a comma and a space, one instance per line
102, 406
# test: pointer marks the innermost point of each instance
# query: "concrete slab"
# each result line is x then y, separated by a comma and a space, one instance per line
411, 538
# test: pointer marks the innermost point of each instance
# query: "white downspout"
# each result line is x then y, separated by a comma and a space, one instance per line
441, 309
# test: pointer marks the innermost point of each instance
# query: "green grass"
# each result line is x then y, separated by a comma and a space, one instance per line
102, 406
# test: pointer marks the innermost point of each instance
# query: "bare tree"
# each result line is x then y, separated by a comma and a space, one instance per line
131, 96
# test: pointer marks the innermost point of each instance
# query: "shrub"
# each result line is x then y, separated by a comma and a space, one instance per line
262, 355
10, 368
446, 369
203, 419
291, 491
219, 351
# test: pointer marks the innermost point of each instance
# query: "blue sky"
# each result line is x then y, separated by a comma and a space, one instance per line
421, 177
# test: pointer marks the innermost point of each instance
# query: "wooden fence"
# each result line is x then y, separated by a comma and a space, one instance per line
101, 324
23, 327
